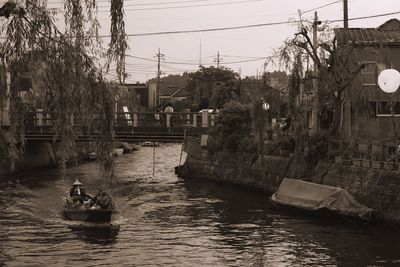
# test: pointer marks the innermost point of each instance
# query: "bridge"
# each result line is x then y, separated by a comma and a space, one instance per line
128, 126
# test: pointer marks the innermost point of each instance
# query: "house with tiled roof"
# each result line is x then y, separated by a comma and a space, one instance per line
376, 49
170, 94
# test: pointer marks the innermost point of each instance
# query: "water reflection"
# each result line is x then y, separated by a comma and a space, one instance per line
247, 222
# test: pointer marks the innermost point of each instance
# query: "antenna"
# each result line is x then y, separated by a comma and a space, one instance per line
200, 55
218, 59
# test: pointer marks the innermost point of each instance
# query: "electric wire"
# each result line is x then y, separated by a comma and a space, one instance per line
196, 64
320, 7
140, 4
189, 6
249, 26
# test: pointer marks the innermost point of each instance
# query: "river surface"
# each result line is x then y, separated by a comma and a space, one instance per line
163, 220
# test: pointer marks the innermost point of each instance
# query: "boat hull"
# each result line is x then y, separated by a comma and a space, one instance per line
118, 151
88, 215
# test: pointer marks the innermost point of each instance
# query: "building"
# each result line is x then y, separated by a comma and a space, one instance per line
172, 94
375, 49
141, 95
168, 93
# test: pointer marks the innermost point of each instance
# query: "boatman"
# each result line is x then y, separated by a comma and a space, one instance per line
77, 192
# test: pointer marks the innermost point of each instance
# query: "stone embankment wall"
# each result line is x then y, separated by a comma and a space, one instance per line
377, 189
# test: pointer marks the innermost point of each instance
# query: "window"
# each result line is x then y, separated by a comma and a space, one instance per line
368, 73
383, 109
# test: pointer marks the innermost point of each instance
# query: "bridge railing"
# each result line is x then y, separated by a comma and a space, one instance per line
44, 120
166, 120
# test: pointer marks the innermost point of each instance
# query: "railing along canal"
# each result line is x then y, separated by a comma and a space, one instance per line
126, 123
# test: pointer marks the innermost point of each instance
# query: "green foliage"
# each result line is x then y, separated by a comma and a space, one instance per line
119, 41
294, 86
68, 81
317, 146
233, 130
219, 85
173, 80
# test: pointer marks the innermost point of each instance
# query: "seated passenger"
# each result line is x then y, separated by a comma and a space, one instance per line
104, 201
96, 197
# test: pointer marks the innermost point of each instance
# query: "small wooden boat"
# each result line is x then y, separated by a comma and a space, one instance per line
92, 209
128, 148
118, 151
150, 144
92, 156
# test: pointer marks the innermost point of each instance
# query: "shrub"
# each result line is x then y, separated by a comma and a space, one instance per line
233, 131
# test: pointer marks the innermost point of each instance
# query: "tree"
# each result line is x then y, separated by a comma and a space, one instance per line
335, 65
71, 81
218, 85
233, 130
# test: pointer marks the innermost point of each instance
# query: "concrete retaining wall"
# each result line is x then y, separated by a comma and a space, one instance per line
377, 189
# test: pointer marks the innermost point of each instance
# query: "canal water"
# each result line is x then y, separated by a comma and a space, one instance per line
163, 220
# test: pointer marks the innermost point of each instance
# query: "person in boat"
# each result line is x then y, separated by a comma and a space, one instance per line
96, 197
77, 192
104, 201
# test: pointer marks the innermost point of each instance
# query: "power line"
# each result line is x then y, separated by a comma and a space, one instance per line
211, 17
248, 26
365, 17
189, 6
329, 4
196, 64
248, 57
144, 4
162, 3
137, 4
209, 29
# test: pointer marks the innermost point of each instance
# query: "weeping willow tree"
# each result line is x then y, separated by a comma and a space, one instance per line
67, 65
336, 67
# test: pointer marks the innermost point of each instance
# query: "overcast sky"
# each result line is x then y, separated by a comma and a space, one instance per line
155, 16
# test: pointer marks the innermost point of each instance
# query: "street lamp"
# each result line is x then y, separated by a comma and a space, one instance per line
389, 82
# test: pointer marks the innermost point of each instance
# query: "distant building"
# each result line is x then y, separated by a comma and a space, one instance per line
282, 88
378, 49
168, 93
140, 95
172, 94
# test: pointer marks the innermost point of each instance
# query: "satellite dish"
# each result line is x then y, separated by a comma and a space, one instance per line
389, 80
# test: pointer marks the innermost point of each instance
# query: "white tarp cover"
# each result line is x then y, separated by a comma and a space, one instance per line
310, 196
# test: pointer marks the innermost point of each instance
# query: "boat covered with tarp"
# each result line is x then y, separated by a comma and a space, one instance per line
316, 197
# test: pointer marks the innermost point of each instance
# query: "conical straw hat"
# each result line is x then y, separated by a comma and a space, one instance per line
77, 182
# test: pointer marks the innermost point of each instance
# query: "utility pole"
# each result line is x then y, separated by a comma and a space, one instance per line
315, 78
345, 14
265, 78
159, 57
218, 59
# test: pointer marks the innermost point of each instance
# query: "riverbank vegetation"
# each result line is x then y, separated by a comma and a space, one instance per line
65, 64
